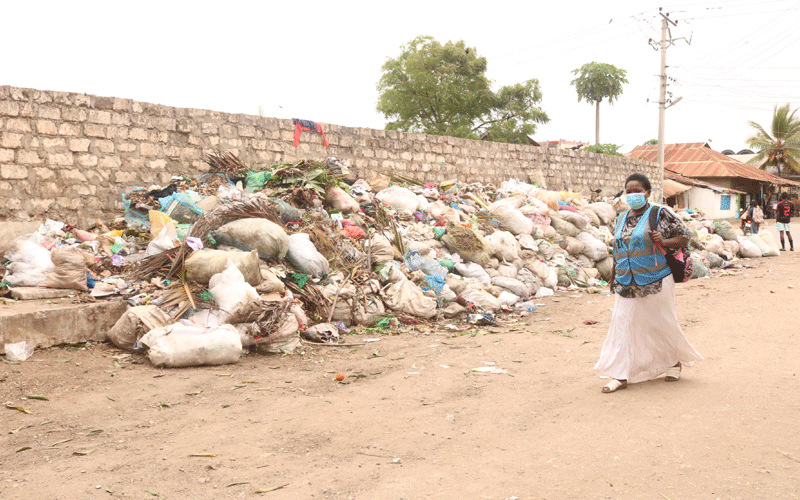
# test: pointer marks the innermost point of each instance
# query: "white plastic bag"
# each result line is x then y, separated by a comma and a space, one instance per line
179, 345
29, 265
18, 351
507, 298
167, 239
481, 298
304, 256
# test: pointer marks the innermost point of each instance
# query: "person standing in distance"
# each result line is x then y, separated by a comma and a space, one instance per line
756, 216
645, 338
783, 216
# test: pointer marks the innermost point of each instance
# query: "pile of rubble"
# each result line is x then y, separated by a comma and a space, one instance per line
241, 259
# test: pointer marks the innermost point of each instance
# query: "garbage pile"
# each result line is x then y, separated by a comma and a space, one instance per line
258, 259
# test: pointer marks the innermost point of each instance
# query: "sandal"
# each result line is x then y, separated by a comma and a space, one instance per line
673, 373
614, 385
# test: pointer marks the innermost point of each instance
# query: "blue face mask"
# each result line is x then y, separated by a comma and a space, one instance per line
636, 200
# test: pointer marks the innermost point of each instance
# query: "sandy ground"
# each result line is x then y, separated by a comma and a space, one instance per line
411, 420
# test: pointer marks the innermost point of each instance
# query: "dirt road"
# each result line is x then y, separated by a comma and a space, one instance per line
411, 420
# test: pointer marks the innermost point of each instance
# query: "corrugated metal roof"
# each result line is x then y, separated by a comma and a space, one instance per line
697, 159
671, 188
682, 179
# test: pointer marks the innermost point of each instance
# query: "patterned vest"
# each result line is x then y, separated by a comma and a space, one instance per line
639, 261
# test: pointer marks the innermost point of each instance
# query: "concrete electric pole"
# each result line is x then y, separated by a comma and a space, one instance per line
666, 41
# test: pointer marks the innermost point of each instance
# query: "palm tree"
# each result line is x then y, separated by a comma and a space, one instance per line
781, 146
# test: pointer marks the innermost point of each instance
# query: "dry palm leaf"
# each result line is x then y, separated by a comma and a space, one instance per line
225, 162
258, 207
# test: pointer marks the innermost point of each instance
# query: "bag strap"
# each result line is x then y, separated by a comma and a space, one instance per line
654, 216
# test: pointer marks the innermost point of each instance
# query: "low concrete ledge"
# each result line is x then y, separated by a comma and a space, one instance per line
46, 325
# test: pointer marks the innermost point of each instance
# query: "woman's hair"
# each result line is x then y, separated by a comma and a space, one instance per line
641, 178
784, 195
753, 203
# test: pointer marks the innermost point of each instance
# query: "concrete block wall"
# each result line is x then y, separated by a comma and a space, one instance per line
71, 156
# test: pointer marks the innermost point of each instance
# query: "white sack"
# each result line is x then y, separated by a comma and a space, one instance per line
179, 345
265, 236
304, 256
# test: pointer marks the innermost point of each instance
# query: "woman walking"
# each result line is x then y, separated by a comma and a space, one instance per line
645, 338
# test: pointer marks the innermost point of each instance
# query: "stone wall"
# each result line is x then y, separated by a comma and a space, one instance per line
70, 156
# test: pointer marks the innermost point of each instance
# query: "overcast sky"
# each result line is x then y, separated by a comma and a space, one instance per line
321, 60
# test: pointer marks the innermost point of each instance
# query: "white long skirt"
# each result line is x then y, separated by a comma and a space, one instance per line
645, 338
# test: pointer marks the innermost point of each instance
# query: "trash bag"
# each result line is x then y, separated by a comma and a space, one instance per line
604, 211
134, 323
507, 298
700, 268
439, 211
417, 262
180, 207
268, 238
551, 198
380, 182
593, 218
269, 282
506, 246
407, 298
577, 220
285, 211
725, 229
467, 244
340, 200
766, 249
563, 227
593, 248
203, 264
178, 345
481, 298
29, 264
231, 293
473, 270
714, 260
748, 249
70, 270
513, 285
573, 246
530, 280
381, 249
18, 351
255, 181
303, 255
605, 267
167, 239
399, 198
511, 219
732, 247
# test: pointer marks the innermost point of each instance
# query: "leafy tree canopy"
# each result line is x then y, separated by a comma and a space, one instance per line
442, 89
650, 142
781, 145
597, 81
606, 149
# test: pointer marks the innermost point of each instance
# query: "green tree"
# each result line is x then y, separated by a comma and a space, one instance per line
442, 89
598, 81
650, 142
606, 149
781, 145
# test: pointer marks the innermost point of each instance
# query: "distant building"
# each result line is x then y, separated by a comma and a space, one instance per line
725, 173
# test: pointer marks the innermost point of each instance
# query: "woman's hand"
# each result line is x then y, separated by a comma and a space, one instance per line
657, 237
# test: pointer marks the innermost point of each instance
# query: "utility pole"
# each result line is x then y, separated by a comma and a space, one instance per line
666, 41
662, 98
